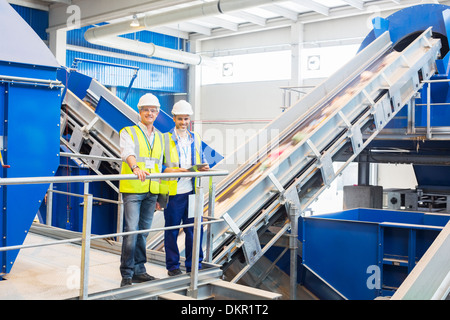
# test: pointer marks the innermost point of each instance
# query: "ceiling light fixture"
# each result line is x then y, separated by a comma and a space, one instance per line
135, 23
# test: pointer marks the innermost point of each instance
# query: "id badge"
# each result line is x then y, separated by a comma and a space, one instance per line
149, 163
191, 205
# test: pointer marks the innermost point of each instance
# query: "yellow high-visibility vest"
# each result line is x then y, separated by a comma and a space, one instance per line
144, 152
172, 158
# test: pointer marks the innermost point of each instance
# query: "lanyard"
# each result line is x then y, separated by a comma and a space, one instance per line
150, 149
183, 146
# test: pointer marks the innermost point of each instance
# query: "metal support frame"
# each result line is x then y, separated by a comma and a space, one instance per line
293, 246
193, 288
430, 132
86, 242
49, 214
208, 233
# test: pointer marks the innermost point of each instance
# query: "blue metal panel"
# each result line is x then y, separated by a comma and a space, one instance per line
76, 82
30, 126
68, 211
436, 176
28, 156
153, 77
37, 19
401, 27
340, 247
340, 252
374, 215
150, 76
108, 112
411, 20
76, 37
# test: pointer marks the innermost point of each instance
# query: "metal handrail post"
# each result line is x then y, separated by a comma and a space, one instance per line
119, 216
49, 215
86, 242
193, 288
429, 111
293, 240
211, 202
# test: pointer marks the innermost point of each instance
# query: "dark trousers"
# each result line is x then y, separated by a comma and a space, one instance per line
175, 213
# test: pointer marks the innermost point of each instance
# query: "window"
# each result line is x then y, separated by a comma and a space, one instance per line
322, 62
249, 68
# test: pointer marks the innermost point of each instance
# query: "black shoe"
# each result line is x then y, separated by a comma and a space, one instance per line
137, 278
126, 282
174, 272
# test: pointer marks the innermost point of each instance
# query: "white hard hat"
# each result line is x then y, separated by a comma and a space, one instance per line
182, 107
148, 100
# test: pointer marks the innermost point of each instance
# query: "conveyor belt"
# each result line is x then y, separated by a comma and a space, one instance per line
305, 127
298, 163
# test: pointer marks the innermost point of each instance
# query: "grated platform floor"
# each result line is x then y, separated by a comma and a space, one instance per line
52, 272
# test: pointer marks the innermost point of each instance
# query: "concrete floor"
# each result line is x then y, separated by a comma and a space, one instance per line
52, 272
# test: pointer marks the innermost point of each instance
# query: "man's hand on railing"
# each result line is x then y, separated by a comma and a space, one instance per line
140, 173
172, 170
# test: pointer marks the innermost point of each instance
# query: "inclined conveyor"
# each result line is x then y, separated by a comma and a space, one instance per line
297, 165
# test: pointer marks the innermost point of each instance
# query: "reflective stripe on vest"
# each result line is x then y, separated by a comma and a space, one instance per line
172, 159
142, 153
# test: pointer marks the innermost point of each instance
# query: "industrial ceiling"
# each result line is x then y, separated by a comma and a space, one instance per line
232, 16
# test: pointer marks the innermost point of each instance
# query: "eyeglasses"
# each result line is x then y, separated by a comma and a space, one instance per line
147, 110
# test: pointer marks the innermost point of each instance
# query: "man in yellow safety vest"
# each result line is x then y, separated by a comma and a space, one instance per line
142, 151
182, 151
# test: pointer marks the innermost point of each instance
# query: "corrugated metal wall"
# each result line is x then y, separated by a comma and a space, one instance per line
163, 81
152, 77
37, 19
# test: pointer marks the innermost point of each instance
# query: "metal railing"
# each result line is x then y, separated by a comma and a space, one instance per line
292, 94
429, 82
86, 236
411, 115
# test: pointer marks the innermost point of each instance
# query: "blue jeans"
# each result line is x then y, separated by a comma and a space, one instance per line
175, 213
138, 215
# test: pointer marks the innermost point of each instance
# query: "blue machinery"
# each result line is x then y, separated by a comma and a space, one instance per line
30, 100
372, 103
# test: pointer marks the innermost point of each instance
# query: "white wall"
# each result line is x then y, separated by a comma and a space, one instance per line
400, 176
251, 105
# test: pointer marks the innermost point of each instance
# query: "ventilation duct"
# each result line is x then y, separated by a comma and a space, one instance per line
107, 35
